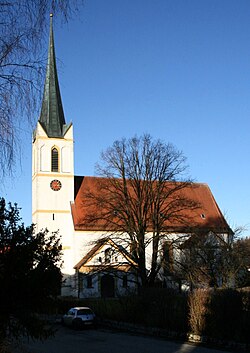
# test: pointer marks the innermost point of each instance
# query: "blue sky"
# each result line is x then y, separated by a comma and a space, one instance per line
177, 69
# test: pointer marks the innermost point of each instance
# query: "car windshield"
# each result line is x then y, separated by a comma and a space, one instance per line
84, 312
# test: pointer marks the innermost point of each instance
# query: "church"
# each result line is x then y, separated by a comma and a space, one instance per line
57, 199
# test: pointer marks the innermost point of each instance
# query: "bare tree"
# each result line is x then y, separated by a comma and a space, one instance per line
241, 261
22, 27
215, 259
140, 198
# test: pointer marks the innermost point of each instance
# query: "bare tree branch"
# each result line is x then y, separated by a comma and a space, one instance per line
140, 198
23, 26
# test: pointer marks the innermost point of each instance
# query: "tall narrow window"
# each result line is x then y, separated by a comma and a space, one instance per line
125, 281
54, 160
89, 281
168, 258
107, 255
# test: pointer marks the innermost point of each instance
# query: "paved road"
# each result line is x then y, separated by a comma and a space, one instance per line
101, 340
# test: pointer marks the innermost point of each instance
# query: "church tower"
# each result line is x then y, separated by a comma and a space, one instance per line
53, 166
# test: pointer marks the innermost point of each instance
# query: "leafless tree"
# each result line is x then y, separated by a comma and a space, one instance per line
139, 199
22, 27
215, 260
241, 262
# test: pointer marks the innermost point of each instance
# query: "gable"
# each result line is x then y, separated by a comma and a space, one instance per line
97, 256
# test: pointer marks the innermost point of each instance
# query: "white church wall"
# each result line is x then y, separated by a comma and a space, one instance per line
50, 208
44, 161
90, 292
121, 287
130, 287
66, 152
84, 241
62, 223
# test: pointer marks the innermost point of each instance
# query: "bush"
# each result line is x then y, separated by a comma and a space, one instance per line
221, 315
198, 310
225, 314
153, 307
244, 326
30, 275
164, 308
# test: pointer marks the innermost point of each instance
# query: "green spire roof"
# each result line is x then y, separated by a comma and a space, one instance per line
52, 116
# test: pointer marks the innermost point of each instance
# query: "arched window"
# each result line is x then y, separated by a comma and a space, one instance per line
54, 160
107, 255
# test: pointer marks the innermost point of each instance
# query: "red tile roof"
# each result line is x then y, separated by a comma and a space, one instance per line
205, 216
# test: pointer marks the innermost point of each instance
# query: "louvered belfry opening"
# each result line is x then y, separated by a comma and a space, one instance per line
54, 160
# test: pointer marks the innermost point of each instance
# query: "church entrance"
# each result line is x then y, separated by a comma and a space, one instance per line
107, 286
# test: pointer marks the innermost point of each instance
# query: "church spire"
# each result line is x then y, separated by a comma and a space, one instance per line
52, 116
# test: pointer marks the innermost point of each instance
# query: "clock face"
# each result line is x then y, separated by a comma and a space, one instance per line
55, 185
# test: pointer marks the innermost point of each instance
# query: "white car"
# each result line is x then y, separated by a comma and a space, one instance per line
79, 317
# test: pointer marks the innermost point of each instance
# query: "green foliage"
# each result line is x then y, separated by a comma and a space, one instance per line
29, 272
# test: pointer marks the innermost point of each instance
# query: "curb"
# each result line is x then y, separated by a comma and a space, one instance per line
171, 335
